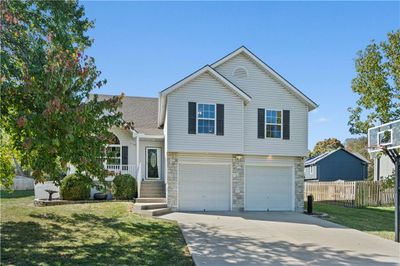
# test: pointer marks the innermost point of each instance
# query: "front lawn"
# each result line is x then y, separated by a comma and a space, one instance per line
85, 234
374, 220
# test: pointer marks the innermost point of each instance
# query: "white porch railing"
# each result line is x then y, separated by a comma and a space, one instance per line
122, 168
128, 169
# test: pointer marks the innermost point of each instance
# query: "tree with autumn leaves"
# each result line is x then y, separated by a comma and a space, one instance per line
48, 117
325, 145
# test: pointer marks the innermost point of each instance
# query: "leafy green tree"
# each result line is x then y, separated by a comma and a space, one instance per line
7, 167
388, 181
325, 146
378, 85
46, 79
360, 146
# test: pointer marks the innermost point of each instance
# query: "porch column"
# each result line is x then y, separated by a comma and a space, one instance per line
137, 155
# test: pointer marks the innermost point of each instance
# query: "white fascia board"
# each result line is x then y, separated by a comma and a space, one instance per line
311, 105
143, 136
163, 94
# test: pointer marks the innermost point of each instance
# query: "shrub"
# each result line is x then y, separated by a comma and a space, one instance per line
124, 187
74, 188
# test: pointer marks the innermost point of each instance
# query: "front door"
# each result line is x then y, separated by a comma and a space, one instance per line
153, 163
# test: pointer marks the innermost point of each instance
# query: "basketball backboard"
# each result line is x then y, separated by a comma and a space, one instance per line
385, 136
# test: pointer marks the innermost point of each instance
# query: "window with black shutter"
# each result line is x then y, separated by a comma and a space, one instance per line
286, 124
124, 154
192, 117
261, 123
220, 119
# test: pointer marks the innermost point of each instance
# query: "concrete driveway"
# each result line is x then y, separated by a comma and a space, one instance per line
279, 238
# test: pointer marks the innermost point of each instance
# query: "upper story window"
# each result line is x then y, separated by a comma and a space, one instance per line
206, 118
273, 123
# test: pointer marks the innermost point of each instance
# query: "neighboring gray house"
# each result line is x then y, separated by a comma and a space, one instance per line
336, 165
230, 136
383, 167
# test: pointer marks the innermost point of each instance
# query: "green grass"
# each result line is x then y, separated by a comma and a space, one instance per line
374, 220
85, 234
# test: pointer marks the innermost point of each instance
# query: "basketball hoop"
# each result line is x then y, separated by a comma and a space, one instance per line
386, 139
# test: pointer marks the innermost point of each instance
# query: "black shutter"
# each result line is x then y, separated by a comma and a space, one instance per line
286, 124
220, 119
124, 154
192, 118
261, 123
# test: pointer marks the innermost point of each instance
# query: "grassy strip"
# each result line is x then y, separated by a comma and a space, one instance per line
374, 220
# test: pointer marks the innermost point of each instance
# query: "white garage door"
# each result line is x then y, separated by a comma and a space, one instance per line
204, 187
269, 188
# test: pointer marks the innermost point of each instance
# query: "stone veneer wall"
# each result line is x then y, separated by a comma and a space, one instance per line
299, 184
172, 180
237, 182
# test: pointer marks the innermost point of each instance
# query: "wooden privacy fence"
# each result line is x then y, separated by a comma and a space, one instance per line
351, 194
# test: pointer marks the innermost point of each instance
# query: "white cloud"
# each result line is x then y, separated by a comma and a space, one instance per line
322, 120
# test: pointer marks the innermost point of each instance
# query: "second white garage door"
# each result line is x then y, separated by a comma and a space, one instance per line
204, 187
269, 188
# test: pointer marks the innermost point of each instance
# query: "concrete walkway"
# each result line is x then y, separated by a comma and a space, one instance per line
279, 238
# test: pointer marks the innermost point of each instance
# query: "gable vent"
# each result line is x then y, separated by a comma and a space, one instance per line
240, 72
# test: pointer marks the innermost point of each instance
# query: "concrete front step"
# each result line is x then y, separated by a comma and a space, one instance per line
149, 206
145, 184
152, 189
151, 200
153, 183
152, 195
160, 194
154, 212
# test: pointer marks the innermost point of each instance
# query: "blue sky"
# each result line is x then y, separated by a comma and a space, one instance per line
143, 47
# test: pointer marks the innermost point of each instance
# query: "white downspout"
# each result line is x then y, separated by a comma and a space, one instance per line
137, 151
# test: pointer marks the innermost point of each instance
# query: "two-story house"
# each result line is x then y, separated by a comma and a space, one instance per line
230, 136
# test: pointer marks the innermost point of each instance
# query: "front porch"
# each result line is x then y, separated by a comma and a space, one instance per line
151, 200
147, 187
141, 156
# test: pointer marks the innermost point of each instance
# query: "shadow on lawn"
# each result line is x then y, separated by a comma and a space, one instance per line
59, 241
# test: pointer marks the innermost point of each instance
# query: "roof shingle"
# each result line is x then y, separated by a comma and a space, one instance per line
142, 111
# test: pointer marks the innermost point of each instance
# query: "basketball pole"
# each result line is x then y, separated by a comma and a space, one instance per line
397, 200
395, 158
